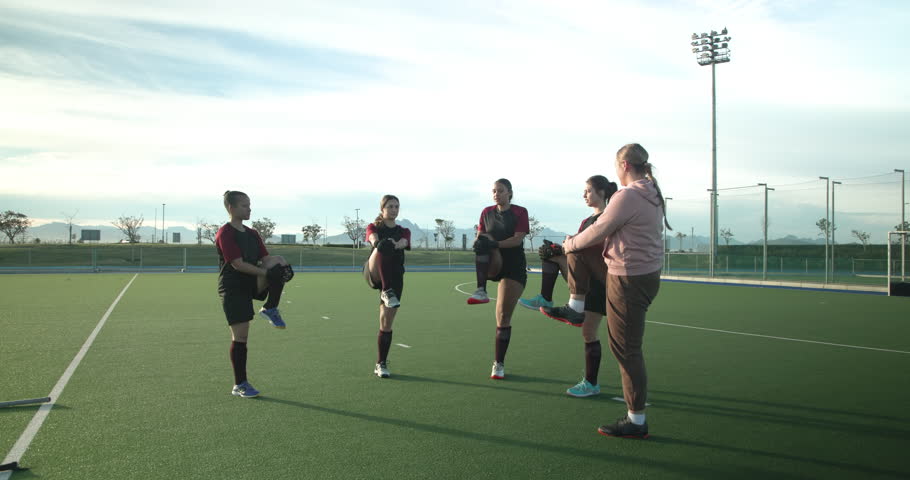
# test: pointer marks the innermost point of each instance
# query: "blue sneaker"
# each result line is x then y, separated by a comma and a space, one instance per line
584, 389
272, 315
536, 302
244, 390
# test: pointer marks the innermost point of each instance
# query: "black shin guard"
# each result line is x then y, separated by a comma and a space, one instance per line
384, 341
549, 274
482, 265
503, 336
238, 361
592, 361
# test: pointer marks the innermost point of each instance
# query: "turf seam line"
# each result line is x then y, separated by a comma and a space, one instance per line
21, 445
781, 338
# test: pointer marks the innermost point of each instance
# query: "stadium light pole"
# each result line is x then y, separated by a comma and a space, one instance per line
356, 234
833, 227
903, 222
827, 223
163, 232
764, 268
666, 254
712, 49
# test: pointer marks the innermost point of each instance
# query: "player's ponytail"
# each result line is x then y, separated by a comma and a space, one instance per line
231, 197
603, 186
636, 155
382, 203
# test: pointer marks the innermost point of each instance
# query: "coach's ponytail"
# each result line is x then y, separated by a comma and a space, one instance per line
636, 155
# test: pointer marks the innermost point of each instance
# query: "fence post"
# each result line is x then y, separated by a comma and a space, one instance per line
184, 259
755, 263
853, 266
781, 264
696, 263
300, 262
140, 259
807, 266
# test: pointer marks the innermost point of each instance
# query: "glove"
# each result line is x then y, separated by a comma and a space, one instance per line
280, 274
386, 247
483, 245
549, 250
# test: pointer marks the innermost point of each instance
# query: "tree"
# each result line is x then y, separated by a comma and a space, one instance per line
14, 225
726, 234
901, 227
680, 236
534, 229
825, 226
311, 232
129, 226
446, 230
266, 228
200, 230
863, 237
354, 229
209, 230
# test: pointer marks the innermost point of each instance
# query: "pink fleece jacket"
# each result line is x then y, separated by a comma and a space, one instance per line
629, 230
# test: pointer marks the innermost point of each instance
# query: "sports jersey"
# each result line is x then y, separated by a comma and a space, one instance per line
503, 225
396, 233
232, 244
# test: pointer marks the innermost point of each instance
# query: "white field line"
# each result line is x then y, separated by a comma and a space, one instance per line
780, 338
749, 334
32, 429
403, 345
469, 293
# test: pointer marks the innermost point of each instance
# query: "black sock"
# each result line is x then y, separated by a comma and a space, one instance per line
238, 361
275, 289
549, 274
482, 264
592, 361
503, 335
384, 340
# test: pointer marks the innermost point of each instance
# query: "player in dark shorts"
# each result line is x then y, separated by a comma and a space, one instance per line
384, 271
587, 284
500, 256
246, 272
554, 261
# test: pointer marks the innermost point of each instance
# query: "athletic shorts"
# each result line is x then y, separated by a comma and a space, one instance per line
238, 303
596, 298
514, 266
397, 281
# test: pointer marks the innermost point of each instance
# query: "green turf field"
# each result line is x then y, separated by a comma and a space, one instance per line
151, 397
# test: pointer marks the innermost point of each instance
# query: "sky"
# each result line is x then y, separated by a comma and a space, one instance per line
318, 108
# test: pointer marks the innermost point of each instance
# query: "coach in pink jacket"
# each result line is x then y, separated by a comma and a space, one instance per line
630, 231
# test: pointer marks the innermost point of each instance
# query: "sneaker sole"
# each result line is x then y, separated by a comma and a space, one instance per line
582, 395
495, 377
637, 437
381, 376
473, 301
560, 319
529, 307
244, 396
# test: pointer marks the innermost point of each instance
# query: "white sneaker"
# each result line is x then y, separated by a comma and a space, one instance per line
382, 370
479, 296
499, 371
389, 299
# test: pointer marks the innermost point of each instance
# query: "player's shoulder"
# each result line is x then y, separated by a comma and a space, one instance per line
225, 229
519, 210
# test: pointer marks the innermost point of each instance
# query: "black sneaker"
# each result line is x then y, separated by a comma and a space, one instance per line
624, 428
564, 314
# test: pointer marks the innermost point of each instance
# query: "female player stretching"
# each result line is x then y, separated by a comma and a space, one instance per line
554, 261
247, 271
500, 255
384, 271
629, 232
587, 284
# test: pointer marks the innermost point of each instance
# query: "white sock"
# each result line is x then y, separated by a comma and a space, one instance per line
637, 418
577, 305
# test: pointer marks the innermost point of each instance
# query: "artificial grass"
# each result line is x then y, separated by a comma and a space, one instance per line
151, 399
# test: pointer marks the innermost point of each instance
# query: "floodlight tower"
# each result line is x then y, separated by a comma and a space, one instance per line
833, 228
712, 49
903, 223
827, 222
764, 269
